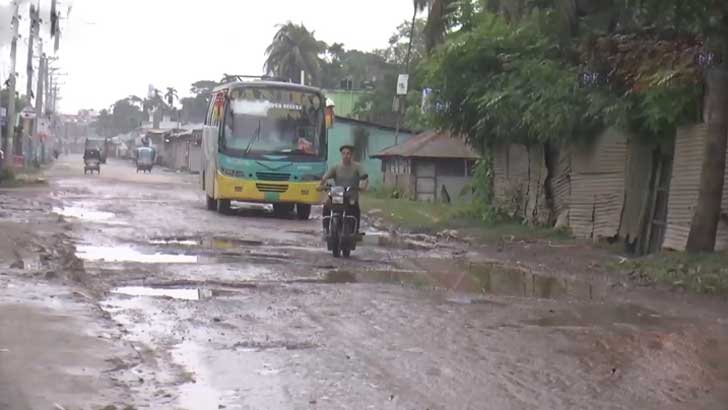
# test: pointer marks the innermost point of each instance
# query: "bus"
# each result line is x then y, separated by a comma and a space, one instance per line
265, 142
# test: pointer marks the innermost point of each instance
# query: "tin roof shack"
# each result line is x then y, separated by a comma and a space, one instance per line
184, 149
432, 166
158, 140
368, 138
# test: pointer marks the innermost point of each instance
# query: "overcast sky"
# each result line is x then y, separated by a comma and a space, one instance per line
114, 48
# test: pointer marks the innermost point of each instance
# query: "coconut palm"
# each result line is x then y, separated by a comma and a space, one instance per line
171, 95
439, 14
294, 49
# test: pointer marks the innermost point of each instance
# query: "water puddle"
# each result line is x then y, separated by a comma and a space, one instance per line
199, 394
499, 280
493, 279
393, 241
128, 254
86, 214
230, 243
606, 315
175, 241
173, 293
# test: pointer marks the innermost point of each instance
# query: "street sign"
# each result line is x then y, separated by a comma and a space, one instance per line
402, 84
28, 113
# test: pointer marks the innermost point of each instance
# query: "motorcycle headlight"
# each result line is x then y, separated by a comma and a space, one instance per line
337, 199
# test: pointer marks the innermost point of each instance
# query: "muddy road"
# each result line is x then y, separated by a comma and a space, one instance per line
170, 306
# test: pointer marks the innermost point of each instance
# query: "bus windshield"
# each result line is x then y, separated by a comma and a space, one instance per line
274, 121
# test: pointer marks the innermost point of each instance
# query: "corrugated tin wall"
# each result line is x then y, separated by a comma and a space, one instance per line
684, 187
500, 168
518, 183
597, 186
537, 211
561, 182
640, 164
588, 183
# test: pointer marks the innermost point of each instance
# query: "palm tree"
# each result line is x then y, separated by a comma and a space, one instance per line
438, 20
294, 49
171, 95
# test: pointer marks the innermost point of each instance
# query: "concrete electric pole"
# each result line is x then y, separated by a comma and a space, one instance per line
10, 117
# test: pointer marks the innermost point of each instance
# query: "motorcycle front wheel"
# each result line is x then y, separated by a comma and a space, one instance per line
335, 237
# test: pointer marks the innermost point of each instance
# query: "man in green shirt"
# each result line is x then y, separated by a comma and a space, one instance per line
347, 174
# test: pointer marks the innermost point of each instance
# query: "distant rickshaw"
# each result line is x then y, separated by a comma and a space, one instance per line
145, 159
92, 161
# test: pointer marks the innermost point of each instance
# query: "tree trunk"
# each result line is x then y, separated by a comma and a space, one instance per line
707, 212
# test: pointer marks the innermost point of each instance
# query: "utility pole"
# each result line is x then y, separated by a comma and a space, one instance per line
31, 38
39, 89
28, 126
10, 130
39, 99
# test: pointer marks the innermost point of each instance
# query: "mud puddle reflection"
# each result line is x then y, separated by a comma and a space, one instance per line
173, 293
493, 279
88, 215
128, 254
175, 241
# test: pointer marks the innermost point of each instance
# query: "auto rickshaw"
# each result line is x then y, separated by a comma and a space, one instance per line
145, 159
92, 161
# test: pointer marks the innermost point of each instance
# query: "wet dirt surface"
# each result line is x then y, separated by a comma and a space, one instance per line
196, 310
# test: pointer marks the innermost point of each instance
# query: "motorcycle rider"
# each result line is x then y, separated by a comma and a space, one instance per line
347, 174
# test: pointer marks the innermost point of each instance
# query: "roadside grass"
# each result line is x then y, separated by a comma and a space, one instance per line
431, 218
22, 178
697, 273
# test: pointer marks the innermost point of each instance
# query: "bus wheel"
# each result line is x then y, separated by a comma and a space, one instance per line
223, 206
211, 203
303, 211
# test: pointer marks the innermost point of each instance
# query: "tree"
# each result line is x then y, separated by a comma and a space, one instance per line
203, 87
703, 230
194, 108
171, 96
294, 49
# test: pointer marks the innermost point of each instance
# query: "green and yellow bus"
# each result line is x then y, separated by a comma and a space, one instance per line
265, 142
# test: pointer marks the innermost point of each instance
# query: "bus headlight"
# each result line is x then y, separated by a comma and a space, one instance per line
232, 172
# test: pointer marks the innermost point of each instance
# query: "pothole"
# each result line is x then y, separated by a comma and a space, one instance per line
128, 254
180, 241
86, 214
255, 346
493, 279
173, 293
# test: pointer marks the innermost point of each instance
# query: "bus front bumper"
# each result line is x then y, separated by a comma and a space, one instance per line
238, 189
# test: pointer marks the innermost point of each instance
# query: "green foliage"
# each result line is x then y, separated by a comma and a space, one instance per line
294, 49
7, 175
700, 273
501, 82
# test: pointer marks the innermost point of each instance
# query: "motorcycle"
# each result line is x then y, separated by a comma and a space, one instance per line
341, 236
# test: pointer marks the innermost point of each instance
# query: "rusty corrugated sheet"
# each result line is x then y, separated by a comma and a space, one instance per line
637, 189
606, 154
684, 189
561, 181
536, 210
431, 144
597, 186
500, 164
686, 168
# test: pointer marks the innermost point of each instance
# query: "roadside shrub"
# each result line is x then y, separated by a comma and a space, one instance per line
7, 175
